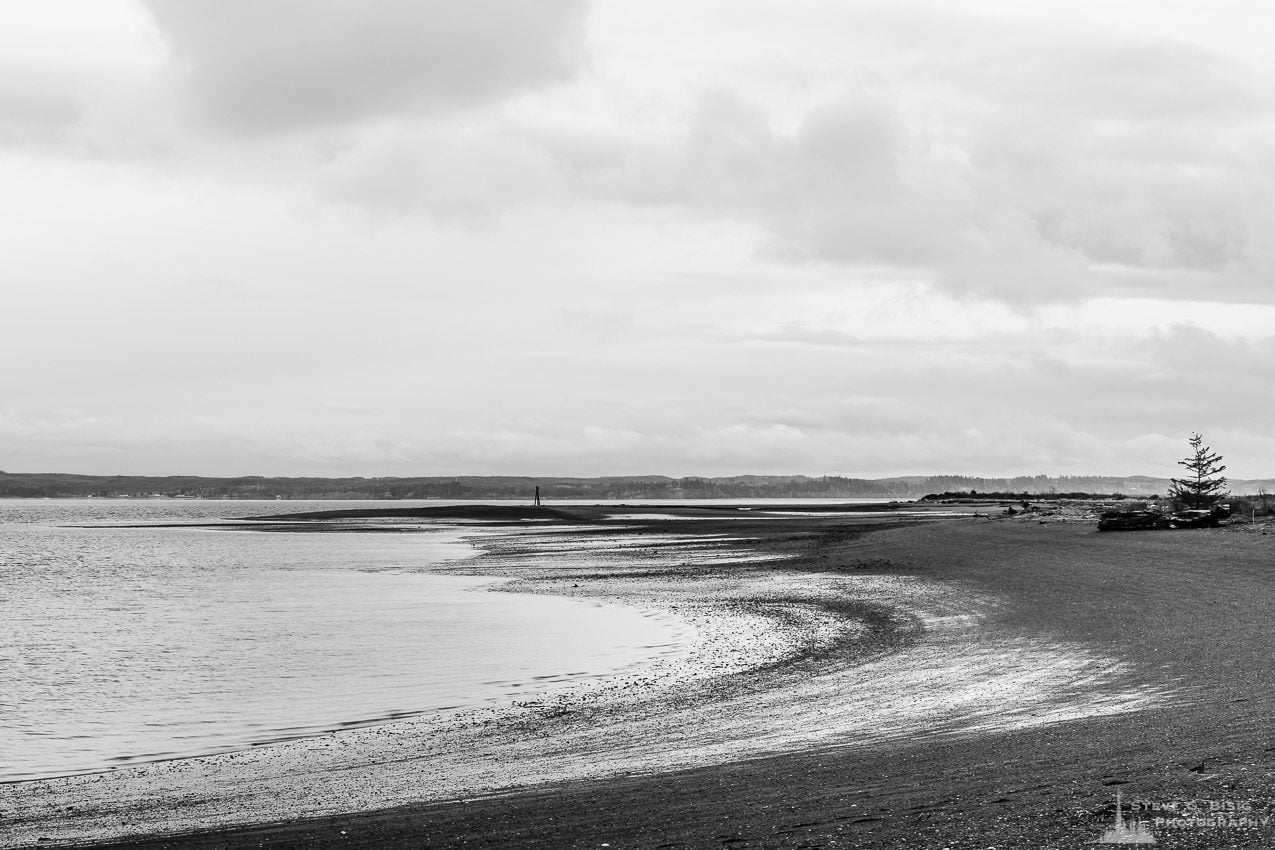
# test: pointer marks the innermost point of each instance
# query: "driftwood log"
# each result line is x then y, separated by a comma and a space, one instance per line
1147, 520
1132, 520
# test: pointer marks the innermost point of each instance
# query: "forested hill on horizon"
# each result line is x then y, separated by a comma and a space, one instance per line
62, 485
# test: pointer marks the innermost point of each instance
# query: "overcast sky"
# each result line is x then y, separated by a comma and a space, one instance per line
398, 237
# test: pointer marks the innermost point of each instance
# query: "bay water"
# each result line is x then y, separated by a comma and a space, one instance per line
130, 641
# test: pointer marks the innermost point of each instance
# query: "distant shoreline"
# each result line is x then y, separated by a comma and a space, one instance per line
494, 487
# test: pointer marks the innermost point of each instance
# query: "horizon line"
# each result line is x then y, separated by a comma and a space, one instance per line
648, 475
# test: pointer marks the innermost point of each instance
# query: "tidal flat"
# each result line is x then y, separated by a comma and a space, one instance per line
851, 678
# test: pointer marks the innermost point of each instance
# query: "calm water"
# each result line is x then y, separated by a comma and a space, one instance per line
129, 644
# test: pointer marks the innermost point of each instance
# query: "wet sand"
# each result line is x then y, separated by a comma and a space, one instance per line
855, 681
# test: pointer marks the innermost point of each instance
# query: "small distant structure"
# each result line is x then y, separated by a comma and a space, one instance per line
1126, 830
537, 501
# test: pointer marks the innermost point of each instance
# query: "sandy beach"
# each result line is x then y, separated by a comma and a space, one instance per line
849, 679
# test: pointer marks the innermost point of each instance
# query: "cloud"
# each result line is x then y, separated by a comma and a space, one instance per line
296, 63
997, 157
1014, 174
36, 106
1004, 159
467, 175
603, 326
77, 76
726, 236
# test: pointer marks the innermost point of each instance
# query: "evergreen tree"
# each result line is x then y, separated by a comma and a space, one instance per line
1204, 485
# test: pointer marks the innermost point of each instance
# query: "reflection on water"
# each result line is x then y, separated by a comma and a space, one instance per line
126, 644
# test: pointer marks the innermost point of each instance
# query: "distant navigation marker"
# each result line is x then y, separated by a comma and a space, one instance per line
537, 502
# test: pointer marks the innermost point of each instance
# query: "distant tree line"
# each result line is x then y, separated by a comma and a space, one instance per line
58, 485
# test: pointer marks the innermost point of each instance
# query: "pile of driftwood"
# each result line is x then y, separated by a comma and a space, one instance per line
1152, 519
1132, 520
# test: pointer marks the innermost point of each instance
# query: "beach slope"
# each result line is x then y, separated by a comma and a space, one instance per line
958, 683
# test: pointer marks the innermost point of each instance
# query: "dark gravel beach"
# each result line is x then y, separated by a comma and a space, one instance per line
1183, 616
